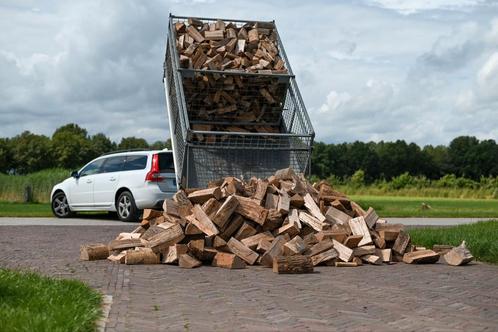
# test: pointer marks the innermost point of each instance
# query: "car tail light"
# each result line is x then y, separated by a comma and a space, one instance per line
154, 175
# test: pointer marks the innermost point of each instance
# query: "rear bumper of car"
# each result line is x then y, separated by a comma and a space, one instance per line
150, 197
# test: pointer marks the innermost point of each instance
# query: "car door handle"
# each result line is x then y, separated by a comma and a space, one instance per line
88, 181
112, 179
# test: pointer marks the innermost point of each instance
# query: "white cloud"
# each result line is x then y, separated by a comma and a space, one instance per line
487, 77
407, 7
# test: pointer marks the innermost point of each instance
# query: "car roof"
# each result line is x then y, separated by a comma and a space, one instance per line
133, 152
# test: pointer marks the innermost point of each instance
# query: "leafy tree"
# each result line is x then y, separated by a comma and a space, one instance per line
160, 145
71, 146
31, 152
6, 158
358, 178
101, 144
133, 143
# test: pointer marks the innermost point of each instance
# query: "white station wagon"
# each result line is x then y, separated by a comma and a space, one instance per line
122, 182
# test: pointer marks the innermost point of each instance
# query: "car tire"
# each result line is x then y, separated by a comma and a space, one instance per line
60, 206
126, 207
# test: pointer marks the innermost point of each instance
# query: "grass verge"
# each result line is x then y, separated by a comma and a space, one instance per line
8, 209
30, 302
481, 238
391, 206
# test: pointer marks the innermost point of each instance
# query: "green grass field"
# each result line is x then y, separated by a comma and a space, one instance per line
8, 209
481, 238
385, 206
389, 206
29, 302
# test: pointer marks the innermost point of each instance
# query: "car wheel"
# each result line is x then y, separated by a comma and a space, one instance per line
60, 207
126, 208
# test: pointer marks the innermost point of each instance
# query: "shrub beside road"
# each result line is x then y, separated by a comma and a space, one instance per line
29, 302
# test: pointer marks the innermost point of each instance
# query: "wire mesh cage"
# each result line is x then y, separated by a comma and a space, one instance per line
233, 123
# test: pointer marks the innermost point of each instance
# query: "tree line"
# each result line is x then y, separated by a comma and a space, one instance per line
69, 147
465, 156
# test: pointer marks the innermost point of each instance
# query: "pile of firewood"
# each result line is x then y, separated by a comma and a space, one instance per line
222, 46
231, 97
281, 222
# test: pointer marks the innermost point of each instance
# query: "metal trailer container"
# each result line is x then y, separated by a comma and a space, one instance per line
239, 154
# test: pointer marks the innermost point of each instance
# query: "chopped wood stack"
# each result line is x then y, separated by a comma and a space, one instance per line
250, 103
220, 45
281, 222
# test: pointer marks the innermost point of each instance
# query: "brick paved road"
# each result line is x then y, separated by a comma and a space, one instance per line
158, 297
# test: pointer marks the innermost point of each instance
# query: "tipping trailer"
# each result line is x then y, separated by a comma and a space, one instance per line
228, 153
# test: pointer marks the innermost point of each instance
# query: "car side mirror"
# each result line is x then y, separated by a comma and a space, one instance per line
75, 174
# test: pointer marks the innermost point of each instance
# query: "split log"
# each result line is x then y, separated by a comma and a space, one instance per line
459, 255
276, 249
338, 236
232, 227
388, 235
334, 215
371, 218
344, 253
118, 258
125, 244
311, 221
364, 250
289, 228
310, 204
325, 256
359, 227
224, 213
239, 249
294, 246
170, 207
372, 259
253, 241
283, 203
149, 214
353, 241
163, 240
250, 209
401, 243
263, 246
203, 222
292, 264
174, 252
421, 257
93, 252
188, 262
141, 256
245, 231
385, 254
346, 264
319, 247
228, 261
202, 196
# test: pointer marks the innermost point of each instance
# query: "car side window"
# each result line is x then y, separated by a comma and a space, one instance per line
113, 164
135, 162
92, 168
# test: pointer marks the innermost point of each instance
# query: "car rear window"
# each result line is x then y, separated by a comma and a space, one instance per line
166, 164
135, 162
113, 164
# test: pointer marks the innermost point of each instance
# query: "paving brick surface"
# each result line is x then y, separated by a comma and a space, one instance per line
159, 297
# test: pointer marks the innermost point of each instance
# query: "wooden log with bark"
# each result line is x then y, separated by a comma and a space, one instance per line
92, 252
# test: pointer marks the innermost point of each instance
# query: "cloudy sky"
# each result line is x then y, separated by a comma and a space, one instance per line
420, 70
